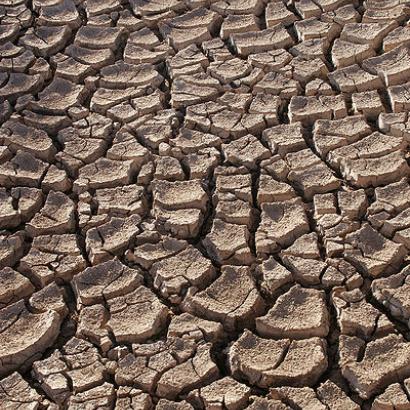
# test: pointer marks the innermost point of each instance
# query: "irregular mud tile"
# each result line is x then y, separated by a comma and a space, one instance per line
94, 7
270, 60
85, 369
164, 404
49, 123
306, 271
374, 160
148, 362
268, 105
15, 392
131, 398
216, 50
194, 89
105, 173
233, 199
46, 41
228, 243
268, 363
393, 67
309, 174
179, 206
341, 15
356, 317
23, 169
299, 313
202, 164
226, 392
281, 224
392, 292
331, 134
111, 238
14, 286
238, 24
350, 347
372, 253
309, 109
398, 96
105, 281
314, 48
59, 96
234, 309
95, 59
230, 70
147, 252
189, 60
306, 246
396, 124
105, 100
174, 275
305, 68
307, 9
393, 397
385, 361
277, 84
354, 79
122, 75
352, 204
284, 138
239, 7
99, 37
24, 335
399, 13
18, 205
398, 37
368, 104
367, 33
11, 248
273, 276
56, 180
137, 54
169, 169
247, 151
9, 32
126, 147
196, 372
260, 41
270, 190
49, 298
262, 403
136, 316
192, 327
56, 217
92, 326
24, 62
120, 201
303, 398
19, 84
345, 53
52, 258
60, 13
314, 28
100, 397
276, 12
193, 27
70, 69
334, 397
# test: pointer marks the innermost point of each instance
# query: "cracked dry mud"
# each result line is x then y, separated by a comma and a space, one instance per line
204, 204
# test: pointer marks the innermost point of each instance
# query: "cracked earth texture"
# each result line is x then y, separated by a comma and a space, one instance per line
204, 204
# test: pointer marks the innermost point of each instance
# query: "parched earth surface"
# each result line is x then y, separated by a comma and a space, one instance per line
204, 204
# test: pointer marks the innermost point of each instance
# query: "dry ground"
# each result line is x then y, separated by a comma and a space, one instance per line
204, 204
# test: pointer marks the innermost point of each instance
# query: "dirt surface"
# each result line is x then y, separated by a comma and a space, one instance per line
204, 204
